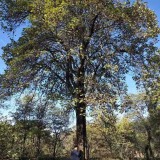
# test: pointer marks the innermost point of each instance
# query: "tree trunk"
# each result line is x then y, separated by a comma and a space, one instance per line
81, 128
81, 134
24, 144
39, 136
55, 145
38, 152
146, 152
148, 147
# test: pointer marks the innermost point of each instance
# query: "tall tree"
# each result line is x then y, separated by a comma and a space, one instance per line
75, 50
148, 79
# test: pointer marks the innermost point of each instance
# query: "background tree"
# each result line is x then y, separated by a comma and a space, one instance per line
57, 122
39, 127
141, 112
6, 139
22, 118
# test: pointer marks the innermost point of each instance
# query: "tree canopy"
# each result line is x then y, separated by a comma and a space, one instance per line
77, 51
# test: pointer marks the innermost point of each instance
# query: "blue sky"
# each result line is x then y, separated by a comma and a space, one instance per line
5, 38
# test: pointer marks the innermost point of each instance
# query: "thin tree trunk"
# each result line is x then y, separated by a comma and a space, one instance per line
39, 136
24, 144
146, 152
55, 145
148, 147
38, 145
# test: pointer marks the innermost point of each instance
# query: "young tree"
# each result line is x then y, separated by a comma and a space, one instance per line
6, 140
57, 123
75, 50
22, 118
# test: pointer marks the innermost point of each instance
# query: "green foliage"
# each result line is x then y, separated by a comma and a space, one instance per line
6, 140
63, 33
38, 129
80, 52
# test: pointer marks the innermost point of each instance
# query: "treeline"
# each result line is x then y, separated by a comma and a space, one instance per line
35, 130
41, 131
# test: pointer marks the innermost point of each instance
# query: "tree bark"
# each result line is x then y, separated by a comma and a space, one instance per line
38, 150
81, 128
81, 134
39, 136
149, 146
148, 149
55, 145
24, 143
146, 152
